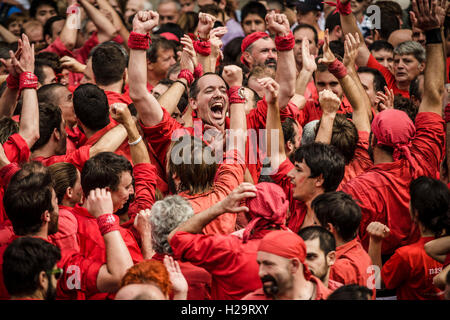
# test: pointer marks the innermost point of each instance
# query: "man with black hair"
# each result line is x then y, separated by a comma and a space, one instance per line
44, 72
339, 213
320, 253
253, 17
373, 82
383, 52
29, 269
333, 24
52, 28
42, 10
309, 12
351, 292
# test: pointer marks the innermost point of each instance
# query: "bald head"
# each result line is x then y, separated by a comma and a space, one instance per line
399, 36
140, 292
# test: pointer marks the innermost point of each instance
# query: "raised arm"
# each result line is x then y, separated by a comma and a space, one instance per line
7, 35
329, 102
232, 204
308, 67
106, 30
117, 21
286, 71
438, 249
349, 25
118, 258
205, 25
138, 149
233, 76
110, 141
69, 32
377, 232
149, 109
431, 19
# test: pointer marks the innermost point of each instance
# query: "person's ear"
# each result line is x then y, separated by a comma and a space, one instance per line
331, 258
193, 103
339, 33
69, 192
319, 181
48, 39
421, 66
46, 216
247, 57
295, 265
56, 134
330, 228
43, 281
289, 146
125, 76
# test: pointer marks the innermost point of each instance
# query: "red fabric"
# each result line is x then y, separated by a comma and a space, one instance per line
351, 265
337, 69
344, 9
115, 97
411, 271
198, 279
361, 162
388, 76
170, 36
233, 95
322, 292
297, 209
16, 149
446, 261
186, 74
383, 191
198, 71
12, 82
28, 80
249, 39
447, 113
267, 210
286, 244
108, 223
202, 47
75, 135
77, 158
66, 237
81, 54
228, 177
447, 75
231, 263
285, 43
139, 41
312, 111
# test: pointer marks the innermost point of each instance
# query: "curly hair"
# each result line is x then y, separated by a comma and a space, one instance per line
148, 272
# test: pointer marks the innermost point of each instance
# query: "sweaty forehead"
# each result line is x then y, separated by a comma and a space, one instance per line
210, 80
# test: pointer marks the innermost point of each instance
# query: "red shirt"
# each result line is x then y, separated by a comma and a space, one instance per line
388, 76
228, 177
383, 191
361, 162
78, 158
6, 174
16, 149
231, 263
410, 270
115, 97
297, 209
322, 292
81, 54
66, 237
198, 279
351, 265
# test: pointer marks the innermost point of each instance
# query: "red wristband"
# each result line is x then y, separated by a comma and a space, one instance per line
233, 95
198, 71
186, 74
344, 9
338, 69
107, 223
202, 47
285, 43
447, 113
12, 82
28, 80
139, 41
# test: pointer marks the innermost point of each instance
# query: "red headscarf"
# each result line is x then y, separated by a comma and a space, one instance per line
248, 40
268, 209
286, 244
393, 128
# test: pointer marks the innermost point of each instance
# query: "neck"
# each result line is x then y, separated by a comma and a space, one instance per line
326, 278
339, 241
380, 156
45, 151
37, 295
424, 232
301, 290
42, 233
115, 87
87, 132
67, 203
403, 85
153, 79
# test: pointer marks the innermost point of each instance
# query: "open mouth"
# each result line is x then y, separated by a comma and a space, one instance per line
217, 109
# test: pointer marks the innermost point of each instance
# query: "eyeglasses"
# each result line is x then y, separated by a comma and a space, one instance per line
56, 272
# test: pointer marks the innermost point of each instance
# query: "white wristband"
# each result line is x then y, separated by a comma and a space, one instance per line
135, 142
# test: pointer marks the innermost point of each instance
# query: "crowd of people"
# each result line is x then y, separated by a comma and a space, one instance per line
224, 150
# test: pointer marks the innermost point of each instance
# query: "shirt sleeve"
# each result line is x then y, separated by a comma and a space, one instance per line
16, 149
145, 185
59, 48
7, 172
344, 271
395, 271
215, 253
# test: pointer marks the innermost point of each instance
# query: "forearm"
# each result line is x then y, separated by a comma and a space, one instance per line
68, 35
286, 76
172, 96
374, 252
205, 61
275, 134
433, 81
238, 128
106, 30
349, 25
146, 246
139, 152
438, 248
447, 128
8, 102
7, 35
325, 131
29, 117
304, 77
110, 141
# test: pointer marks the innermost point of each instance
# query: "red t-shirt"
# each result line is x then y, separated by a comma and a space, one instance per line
388, 76
66, 237
351, 265
322, 292
228, 177
78, 158
81, 54
231, 263
297, 209
115, 97
198, 279
411, 271
383, 191
16, 149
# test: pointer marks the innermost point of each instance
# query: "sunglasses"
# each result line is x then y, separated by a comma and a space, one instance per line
56, 272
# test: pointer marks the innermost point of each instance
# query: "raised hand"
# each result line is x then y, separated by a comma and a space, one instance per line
179, 283
278, 24
232, 75
308, 60
351, 45
328, 55
427, 17
99, 202
385, 100
145, 21
377, 231
188, 56
205, 24
72, 64
142, 222
329, 101
271, 89
232, 203
121, 113
216, 35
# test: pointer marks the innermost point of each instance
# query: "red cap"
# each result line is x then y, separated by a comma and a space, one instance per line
248, 40
169, 36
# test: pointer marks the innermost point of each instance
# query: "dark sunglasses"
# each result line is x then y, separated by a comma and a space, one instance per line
56, 272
